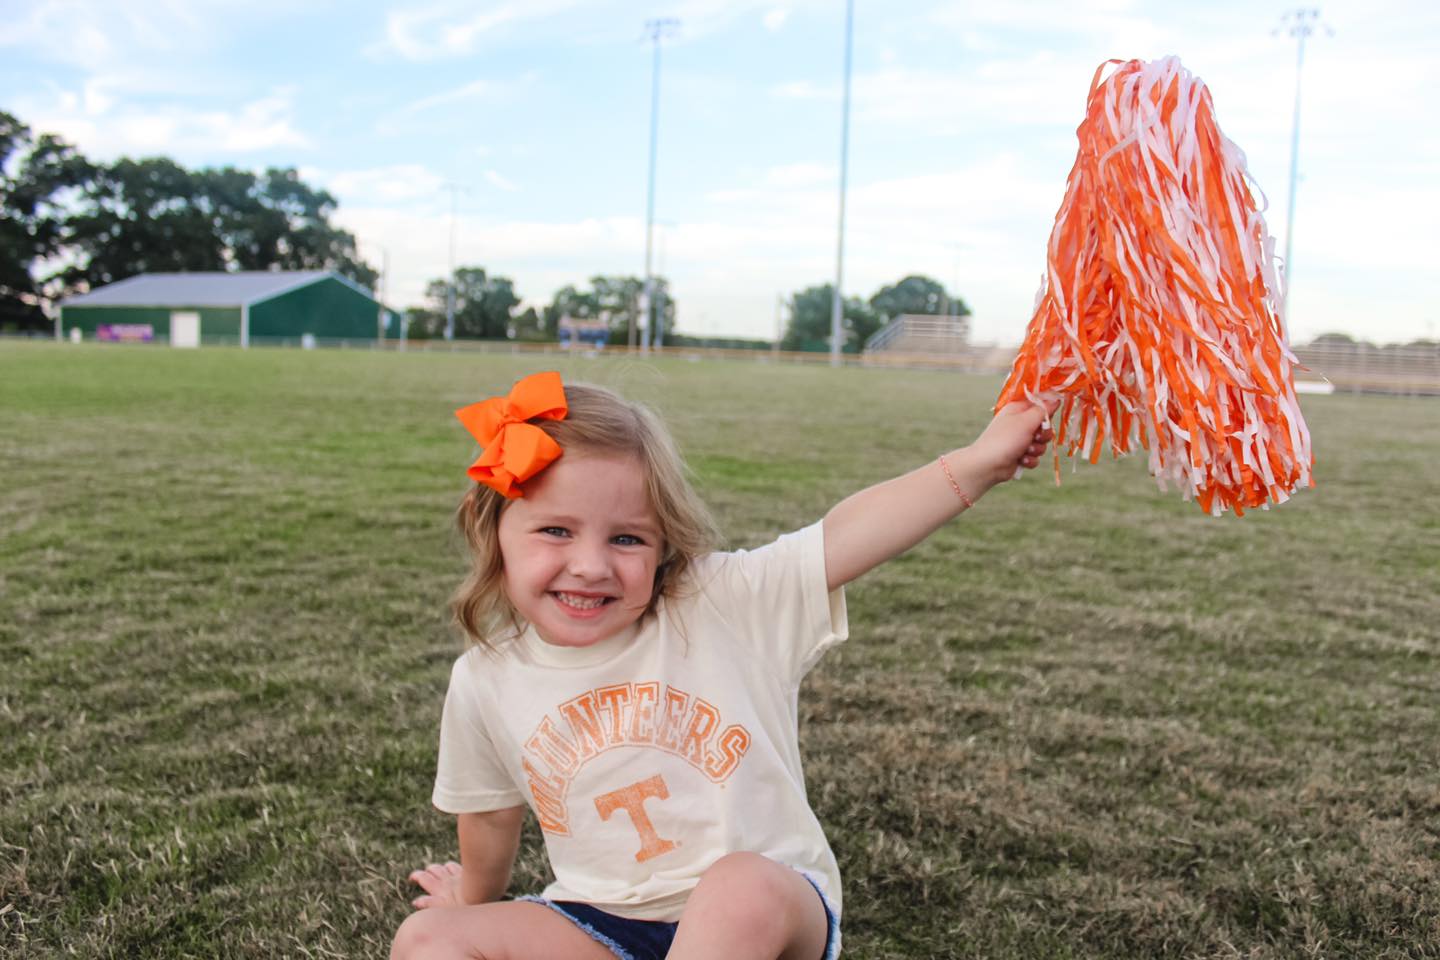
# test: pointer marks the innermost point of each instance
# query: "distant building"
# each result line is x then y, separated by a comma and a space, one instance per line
188, 309
590, 333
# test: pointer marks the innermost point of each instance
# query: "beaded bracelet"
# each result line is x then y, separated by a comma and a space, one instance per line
969, 504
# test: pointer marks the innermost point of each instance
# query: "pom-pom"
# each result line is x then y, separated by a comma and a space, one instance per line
1158, 321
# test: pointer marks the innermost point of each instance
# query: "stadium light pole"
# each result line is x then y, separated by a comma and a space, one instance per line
657, 30
1299, 23
454, 189
837, 300
661, 298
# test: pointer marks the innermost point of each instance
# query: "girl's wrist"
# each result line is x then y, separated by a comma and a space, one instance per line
967, 479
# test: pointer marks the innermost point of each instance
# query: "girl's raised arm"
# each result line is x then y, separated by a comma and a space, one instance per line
880, 522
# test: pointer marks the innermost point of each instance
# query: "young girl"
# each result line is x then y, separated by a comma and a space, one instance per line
637, 690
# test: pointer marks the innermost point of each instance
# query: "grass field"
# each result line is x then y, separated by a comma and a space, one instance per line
1084, 721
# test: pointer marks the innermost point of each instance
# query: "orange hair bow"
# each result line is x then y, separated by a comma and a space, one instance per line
515, 450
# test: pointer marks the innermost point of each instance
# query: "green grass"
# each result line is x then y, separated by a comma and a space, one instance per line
1082, 722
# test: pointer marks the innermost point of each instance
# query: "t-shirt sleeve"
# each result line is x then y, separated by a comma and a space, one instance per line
470, 776
777, 599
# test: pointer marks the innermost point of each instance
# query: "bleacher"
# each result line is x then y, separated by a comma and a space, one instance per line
920, 340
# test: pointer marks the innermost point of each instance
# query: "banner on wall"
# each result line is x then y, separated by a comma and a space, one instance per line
125, 332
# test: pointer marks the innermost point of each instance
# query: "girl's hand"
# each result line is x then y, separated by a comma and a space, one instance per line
441, 883
1015, 439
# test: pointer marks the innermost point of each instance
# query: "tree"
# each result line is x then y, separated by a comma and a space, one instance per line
569, 302
528, 325
615, 300
142, 216
619, 300
292, 230
149, 215
917, 295
664, 309
422, 323
483, 304
106, 222
809, 327
37, 177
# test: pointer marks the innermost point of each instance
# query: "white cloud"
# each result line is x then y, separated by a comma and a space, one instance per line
1117, 22
494, 178
401, 119
1042, 89
805, 90
474, 90
449, 30
800, 175
397, 184
95, 33
746, 247
104, 127
775, 19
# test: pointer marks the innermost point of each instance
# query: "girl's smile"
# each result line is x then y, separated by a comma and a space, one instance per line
580, 549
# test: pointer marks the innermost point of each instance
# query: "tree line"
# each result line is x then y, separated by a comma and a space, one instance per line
69, 224
485, 307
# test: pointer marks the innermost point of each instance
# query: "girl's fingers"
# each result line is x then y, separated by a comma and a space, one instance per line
434, 875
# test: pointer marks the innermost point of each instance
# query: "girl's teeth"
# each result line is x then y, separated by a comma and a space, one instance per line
580, 603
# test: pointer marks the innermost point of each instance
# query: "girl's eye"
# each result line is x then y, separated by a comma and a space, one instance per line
555, 531
628, 540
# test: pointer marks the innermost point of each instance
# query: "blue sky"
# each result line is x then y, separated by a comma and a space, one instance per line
962, 133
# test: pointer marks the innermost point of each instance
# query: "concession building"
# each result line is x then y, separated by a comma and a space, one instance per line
188, 309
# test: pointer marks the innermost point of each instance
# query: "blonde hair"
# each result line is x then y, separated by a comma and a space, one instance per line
599, 421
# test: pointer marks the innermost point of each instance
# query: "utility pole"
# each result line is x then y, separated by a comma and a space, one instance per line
660, 295
836, 302
657, 31
454, 189
1299, 23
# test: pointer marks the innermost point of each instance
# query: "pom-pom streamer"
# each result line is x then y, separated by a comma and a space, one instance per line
1158, 321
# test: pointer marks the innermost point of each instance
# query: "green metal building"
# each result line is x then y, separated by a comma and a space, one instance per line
188, 309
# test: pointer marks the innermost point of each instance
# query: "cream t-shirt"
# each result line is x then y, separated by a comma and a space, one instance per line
652, 754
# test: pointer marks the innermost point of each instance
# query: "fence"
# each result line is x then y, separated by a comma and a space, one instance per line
1365, 368
1353, 367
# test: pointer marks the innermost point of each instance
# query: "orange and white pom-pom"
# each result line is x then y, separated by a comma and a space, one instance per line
1158, 321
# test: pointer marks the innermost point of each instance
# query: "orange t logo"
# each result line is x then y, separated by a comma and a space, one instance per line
632, 799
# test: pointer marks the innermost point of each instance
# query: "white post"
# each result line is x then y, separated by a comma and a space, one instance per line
837, 300
380, 300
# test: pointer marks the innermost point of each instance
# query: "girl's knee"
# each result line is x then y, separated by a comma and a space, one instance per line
761, 908
755, 889
418, 937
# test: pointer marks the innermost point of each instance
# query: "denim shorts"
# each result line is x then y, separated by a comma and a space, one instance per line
650, 939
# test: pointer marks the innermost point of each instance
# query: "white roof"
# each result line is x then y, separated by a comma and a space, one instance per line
201, 289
